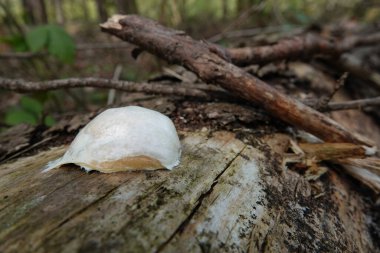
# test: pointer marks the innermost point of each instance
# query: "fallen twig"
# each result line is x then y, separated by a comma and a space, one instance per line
354, 104
253, 32
346, 105
175, 47
298, 47
186, 90
78, 47
325, 100
21, 55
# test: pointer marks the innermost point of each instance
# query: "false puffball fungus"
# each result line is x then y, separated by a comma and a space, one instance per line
127, 138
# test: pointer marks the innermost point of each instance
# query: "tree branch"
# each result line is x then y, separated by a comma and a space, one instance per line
78, 47
253, 32
298, 47
187, 90
173, 46
354, 104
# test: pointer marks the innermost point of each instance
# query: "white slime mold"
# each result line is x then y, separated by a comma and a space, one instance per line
127, 138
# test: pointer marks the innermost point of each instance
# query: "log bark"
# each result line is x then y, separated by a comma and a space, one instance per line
210, 64
226, 196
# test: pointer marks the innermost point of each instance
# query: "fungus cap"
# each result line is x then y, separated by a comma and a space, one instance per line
126, 138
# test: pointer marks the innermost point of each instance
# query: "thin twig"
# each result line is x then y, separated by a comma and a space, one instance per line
20, 55
186, 90
190, 90
78, 47
354, 104
325, 100
299, 47
339, 84
253, 32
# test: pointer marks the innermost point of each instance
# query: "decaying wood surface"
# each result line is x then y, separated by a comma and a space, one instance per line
226, 196
211, 65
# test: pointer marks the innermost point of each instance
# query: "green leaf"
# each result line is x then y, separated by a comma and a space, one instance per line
17, 116
49, 121
37, 38
53, 37
60, 44
17, 42
32, 106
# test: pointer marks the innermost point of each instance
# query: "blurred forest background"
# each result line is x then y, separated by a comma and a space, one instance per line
54, 39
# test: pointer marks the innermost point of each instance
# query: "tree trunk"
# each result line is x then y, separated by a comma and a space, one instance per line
163, 9
84, 6
243, 5
59, 13
35, 12
126, 6
102, 10
225, 10
10, 22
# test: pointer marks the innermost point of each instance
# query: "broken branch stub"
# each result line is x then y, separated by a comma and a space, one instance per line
176, 47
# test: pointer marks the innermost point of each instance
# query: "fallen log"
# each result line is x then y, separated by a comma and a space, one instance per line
226, 196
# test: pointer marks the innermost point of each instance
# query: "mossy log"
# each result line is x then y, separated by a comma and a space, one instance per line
226, 196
